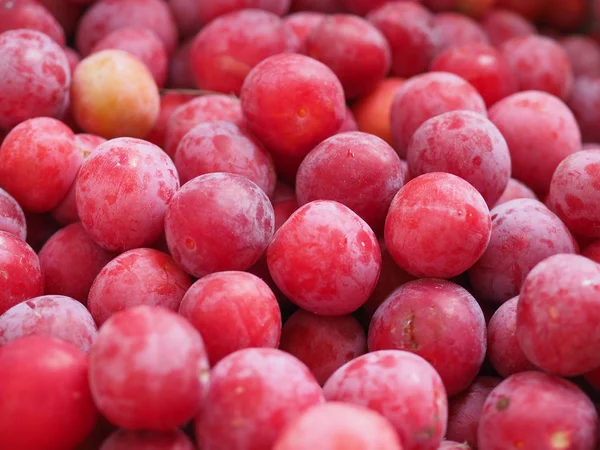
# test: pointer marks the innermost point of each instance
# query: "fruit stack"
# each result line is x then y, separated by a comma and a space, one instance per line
299, 224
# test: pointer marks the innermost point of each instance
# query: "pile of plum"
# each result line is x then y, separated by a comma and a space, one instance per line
299, 224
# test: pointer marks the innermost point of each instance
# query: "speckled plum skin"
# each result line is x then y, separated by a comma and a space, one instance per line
336, 426
123, 190
558, 313
368, 174
514, 190
31, 15
148, 440
224, 147
253, 395
575, 193
227, 49
106, 16
465, 144
114, 94
540, 64
402, 387
585, 104
169, 102
451, 445
238, 302
12, 217
481, 65
38, 163
425, 96
36, 77
464, 410
148, 369
22, 277
356, 51
323, 343
504, 350
437, 320
455, 30
524, 232
409, 29
144, 44
142, 276
438, 226
207, 108
537, 410
70, 261
49, 315
325, 259
52, 375
501, 25
292, 102
218, 222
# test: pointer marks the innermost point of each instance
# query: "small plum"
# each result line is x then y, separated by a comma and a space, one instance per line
113, 94
148, 369
217, 222
253, 395
557, 314
49, 315
239, 302
437, 226
402, 387
325, 258
416, 318
292, 102
142, 276
522, 411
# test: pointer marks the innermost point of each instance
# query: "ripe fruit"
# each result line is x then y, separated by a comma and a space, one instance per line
26, 90
218, 222
337, 273
39, 376
238, 302
49, 315
270, 381
142, 276
402, 387
574, 193
114, 94
409, 29
39, 162
437, 320
360, 56
148, 369
292, 102
230, 46
556, 315
123, 190
368, 175
32, 15
438, 226
524, 233
523, 409
540, 132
